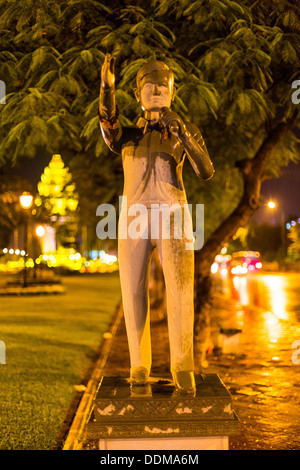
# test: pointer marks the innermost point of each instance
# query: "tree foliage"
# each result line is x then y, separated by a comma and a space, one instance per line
11, 213
234, 63
294, 247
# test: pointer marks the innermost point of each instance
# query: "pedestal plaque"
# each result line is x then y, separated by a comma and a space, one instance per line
156, 416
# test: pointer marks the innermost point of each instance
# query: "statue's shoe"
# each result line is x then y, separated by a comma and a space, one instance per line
139, 375
184, 381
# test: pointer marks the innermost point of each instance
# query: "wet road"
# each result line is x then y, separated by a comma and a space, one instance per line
262, 371
277, 293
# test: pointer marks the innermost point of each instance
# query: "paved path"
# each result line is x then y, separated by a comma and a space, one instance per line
258, 371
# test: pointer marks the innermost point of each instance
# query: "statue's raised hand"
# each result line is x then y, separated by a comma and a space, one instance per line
108, 72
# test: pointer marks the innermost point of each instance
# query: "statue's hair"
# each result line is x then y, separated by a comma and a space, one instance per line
153, 66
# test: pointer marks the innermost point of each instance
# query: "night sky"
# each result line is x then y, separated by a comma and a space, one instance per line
285, 191
32, 169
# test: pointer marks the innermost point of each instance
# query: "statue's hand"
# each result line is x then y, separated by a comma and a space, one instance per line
108, 72
172, 121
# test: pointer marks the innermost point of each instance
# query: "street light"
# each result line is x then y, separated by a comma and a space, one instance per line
26, 200
272, 205
40, 231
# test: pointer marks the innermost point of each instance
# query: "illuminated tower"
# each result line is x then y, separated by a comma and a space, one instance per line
58, 197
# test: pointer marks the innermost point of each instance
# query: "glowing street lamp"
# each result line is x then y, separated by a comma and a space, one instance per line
273, 205
26, 200
40, 231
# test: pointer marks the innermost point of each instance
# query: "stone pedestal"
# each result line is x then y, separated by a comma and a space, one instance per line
155, 416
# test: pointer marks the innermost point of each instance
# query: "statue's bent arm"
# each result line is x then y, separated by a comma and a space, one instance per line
196, 151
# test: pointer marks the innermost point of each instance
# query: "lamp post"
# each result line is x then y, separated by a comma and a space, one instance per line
272, 205
26, 202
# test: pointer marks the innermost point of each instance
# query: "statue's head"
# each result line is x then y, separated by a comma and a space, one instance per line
155, 86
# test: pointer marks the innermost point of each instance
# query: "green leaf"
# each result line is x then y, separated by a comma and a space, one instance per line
288, 53
191, 9
90, 127
36, 93
262, 78
263, 58
99, 31
278, 38
244, 103
86, 56
236, 7
47, 78
16, 133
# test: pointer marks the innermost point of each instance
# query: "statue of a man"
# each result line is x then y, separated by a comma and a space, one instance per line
153, 153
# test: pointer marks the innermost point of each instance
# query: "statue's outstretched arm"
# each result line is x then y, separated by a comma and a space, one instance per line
108, 110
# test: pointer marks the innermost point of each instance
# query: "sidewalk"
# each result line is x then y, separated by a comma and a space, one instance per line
256, 367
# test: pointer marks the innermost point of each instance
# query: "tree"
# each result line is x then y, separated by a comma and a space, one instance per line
258, 48
11, 213
294, 247
234, 64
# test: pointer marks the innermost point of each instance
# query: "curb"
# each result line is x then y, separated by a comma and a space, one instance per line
84, 408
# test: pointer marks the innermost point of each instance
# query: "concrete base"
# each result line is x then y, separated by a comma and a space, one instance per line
155, 416
172, 443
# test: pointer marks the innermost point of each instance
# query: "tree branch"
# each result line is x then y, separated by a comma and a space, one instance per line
253, 171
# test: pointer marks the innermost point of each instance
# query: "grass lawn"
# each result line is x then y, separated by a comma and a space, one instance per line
50, 343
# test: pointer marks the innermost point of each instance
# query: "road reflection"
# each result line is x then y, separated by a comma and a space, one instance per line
278, 293
263, 372
276, 298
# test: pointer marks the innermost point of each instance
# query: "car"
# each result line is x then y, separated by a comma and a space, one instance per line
244, 262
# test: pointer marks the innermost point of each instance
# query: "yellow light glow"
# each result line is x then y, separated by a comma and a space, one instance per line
214, 268
72, 204
26, 200
271, 204
241, 286
40, 231
276, 291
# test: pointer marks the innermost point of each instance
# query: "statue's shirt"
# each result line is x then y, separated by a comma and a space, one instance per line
152, 165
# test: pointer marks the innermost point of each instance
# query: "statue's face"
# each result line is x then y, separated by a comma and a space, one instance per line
156, 91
